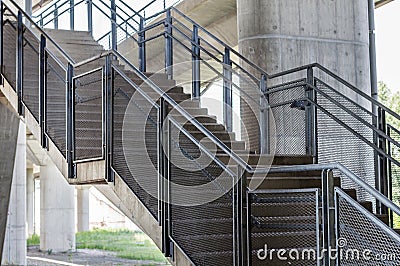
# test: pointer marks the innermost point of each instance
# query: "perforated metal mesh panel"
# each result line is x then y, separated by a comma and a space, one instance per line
361, 232
290, 122
88, 116
56, 103
31, 73
135, 142
395, 173
336, 144
284, 220
204, 227
9, 47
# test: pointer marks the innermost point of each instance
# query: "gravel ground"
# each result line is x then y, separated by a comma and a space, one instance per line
80, 258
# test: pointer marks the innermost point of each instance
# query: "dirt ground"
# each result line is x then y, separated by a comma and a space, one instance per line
82, 257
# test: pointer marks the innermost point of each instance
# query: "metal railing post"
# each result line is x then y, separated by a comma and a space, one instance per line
249, 229
20, 69
241, 218
168, 45
108, 123
113, 25
227, 94
195, 63
390, 176
142, 46
264, 117
55, 14
42, 91
311, 112
382, 178
167, 246
41, 21
90, 16
70, 122
71, 15
328, 217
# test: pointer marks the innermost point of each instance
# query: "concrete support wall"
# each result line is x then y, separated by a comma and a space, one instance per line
14, 251
30, 187
281, 34
57, 212
82, 196
9, 123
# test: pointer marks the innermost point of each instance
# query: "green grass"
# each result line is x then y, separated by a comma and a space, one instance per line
133, 245
33, 240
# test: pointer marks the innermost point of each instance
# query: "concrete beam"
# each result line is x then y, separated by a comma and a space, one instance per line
9, 122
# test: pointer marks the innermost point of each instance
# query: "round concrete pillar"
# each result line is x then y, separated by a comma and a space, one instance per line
82, 208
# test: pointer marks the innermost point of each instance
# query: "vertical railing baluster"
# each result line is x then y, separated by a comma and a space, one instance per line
227, 93
142, 46
19, 70
113, 25
382, 178
168, 45
264, 116
167, 246
108, 117
249, 229
71, 15
195, 63
390, 175
42, 90
311, 113
240, 218
55, 14
41, 20
70, 121
90, 16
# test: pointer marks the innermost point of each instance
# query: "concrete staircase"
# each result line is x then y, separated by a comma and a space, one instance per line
204, 233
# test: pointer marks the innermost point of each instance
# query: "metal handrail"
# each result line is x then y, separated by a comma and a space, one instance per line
27, 17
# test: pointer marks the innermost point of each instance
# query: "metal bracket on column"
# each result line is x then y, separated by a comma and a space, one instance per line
20, 62
227, 94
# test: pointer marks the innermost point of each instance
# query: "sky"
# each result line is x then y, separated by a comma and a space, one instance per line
387, 21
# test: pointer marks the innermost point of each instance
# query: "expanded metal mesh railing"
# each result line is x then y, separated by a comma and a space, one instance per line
31, 72
362, 238
88, 115
394, 173
135, 141
56, 102
9, 47
201, 201
287, 220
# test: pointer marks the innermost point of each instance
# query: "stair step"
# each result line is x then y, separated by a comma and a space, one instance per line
352, 193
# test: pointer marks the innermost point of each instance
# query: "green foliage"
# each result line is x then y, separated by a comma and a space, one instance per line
33, 240
392, 100
133, 245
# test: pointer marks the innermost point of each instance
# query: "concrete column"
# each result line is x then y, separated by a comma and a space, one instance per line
281, 34
30, 186
83, 208
57, 212
14, 251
